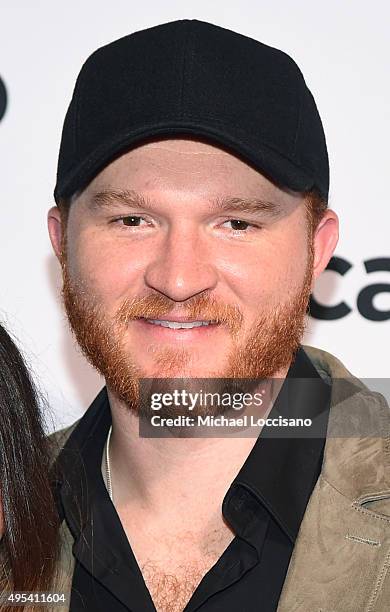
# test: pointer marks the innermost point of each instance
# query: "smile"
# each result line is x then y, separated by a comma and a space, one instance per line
179, 324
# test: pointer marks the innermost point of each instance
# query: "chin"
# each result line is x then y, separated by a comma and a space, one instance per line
180, 371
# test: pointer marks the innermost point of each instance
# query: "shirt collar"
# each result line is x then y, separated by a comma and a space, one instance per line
280, 471
283, 466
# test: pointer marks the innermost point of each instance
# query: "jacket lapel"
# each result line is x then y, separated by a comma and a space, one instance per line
342, 553
339, 556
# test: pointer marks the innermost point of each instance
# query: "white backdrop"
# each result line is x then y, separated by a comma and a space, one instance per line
343, 50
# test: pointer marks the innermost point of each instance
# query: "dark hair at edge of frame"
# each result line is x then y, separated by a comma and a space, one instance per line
30, 516
316, 206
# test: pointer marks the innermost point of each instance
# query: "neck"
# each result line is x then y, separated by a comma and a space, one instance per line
164, 475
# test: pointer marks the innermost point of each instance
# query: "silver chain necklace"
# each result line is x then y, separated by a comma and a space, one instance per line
108, 470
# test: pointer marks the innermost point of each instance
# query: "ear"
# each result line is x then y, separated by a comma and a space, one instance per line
325, 239
54, 224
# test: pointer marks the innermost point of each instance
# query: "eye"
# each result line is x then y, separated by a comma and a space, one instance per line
132, 221
238, 224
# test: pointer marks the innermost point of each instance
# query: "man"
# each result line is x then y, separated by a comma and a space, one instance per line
191, 223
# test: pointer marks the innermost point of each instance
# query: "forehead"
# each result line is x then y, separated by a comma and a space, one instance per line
183, 163
190, 168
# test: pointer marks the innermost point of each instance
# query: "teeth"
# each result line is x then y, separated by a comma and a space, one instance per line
177, 324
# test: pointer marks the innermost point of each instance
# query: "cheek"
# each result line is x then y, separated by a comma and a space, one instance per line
293, 264
266, 272
109, 271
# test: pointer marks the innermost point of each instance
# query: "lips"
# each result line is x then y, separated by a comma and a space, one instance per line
179, 324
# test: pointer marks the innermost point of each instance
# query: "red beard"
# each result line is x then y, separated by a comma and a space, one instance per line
269, 348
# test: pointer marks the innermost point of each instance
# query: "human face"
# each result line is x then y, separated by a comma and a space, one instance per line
182, 230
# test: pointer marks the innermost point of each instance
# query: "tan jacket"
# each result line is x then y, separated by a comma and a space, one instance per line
341, 558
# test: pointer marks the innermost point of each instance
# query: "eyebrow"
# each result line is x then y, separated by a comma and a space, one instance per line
108, 198
246, 205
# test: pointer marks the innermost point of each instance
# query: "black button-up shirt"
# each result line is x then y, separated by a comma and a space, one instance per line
264, 505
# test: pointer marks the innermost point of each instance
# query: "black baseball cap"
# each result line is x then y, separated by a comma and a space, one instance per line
193, 78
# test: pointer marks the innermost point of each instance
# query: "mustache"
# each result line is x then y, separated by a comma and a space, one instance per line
155, 306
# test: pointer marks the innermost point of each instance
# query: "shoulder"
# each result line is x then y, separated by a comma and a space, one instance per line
328, 365
58, 439
348, 391
356, 404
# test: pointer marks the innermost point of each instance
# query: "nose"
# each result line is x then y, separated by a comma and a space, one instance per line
183, 265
